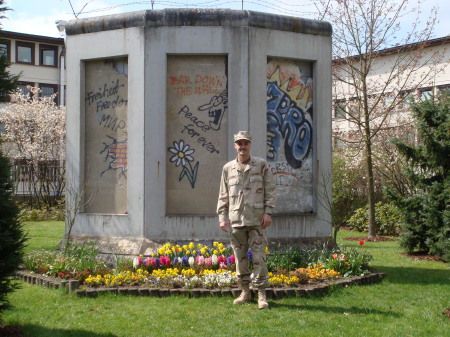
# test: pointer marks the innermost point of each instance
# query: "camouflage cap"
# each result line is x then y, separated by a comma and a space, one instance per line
242, 135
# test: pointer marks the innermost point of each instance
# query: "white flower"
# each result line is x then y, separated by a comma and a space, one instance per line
215, 260
182, 153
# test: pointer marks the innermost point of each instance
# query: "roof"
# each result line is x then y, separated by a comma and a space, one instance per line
401, 48
4, 34
198, 17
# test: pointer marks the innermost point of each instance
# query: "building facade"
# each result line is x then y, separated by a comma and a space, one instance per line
39, 60
432, 77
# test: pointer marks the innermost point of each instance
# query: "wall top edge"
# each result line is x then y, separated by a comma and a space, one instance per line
198, 18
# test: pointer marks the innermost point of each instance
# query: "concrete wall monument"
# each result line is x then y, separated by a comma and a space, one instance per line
153, 101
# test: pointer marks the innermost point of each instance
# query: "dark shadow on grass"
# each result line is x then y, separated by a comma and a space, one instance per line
351, 311
38, 331
410, 275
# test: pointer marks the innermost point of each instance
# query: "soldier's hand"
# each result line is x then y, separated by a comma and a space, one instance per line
266, 220
225, 226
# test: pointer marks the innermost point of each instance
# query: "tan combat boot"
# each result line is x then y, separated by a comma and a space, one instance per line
245, 296
262, 301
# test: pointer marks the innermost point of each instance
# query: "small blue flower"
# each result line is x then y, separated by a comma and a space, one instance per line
158, 263
249, 255
184, 261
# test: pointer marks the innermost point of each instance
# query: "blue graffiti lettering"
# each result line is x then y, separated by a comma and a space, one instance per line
286, 120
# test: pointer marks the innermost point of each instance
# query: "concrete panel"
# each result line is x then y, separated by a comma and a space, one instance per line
289, 133
197, 116
106, 135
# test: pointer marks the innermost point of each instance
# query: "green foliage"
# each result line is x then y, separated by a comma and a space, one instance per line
12, 236
77, 259
46, 213
348, 262
348, 188
8, 82
426, 210
387, 219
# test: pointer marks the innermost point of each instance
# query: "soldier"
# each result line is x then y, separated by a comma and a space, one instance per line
246, 200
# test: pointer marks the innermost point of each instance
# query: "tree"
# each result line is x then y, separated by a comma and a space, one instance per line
12, 237
35, 126
8, 82
373, 88
426, 211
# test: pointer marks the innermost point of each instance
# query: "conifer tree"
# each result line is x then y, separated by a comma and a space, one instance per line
12, 236
426, 212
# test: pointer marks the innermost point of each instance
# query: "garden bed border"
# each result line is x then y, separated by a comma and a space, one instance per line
317, 289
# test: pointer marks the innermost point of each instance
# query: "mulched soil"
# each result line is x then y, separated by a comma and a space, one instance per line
423, 256
9, 331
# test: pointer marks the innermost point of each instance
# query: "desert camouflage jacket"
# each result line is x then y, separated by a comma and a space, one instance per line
246, 193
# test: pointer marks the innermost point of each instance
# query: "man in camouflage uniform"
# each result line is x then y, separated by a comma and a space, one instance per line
246, 200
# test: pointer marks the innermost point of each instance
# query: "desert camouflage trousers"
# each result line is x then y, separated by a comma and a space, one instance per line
253, 237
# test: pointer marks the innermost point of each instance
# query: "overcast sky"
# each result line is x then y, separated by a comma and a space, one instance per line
39, 16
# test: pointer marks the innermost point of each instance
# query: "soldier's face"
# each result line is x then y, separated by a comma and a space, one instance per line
243, 147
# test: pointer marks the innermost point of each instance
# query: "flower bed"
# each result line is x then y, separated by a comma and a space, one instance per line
183, 269
316, 288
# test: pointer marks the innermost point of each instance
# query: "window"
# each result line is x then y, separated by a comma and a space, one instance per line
406, 100
48, 90
340, 109
23, 86
5, 48
444, 91
48, 55
24, 52
425, 94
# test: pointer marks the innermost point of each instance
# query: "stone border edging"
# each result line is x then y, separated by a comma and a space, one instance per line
318, 289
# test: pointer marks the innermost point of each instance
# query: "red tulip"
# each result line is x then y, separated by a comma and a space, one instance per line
361, 243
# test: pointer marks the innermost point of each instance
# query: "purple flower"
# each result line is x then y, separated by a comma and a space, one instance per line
158, 263
249, 255
184, 261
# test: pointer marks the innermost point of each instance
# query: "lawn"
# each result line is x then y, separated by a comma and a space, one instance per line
409, 302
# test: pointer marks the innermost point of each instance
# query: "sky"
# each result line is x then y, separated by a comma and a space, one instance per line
38, 16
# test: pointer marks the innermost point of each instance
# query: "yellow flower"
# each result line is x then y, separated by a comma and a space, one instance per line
215, 243
169, 252
191, 245
267, 250
216, 252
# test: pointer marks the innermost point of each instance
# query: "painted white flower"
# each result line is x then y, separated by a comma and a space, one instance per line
181, 153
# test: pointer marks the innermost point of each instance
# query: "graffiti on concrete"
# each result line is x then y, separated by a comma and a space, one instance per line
116, 154
289, 141
182, 155
187, 85
216, 109
287, 122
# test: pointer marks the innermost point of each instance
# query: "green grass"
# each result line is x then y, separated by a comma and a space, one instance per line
409, 302
43, 235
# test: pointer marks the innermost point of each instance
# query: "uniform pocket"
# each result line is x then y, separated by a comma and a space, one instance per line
234, 186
